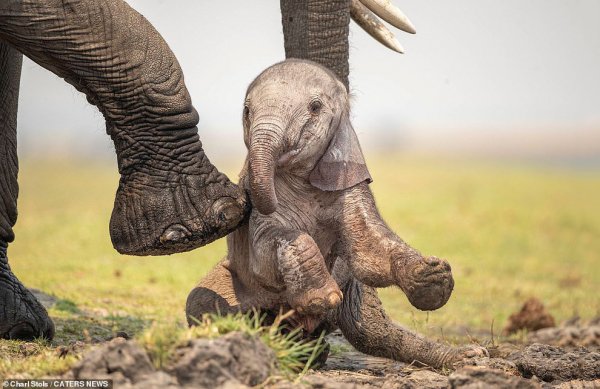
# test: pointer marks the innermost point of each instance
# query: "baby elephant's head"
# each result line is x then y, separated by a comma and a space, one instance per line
296, 118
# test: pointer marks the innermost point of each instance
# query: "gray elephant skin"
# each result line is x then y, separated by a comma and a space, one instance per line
315, 241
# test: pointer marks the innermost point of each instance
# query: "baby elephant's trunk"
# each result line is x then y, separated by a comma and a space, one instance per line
265, 147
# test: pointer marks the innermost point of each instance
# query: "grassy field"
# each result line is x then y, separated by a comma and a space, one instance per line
509, 231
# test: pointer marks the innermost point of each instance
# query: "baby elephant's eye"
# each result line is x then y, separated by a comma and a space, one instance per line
315, 107
246, 115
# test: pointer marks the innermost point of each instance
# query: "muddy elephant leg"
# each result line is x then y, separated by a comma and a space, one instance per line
367, 327
21, 315
379, 258
284, 256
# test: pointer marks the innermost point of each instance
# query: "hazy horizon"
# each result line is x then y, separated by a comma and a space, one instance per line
507, 79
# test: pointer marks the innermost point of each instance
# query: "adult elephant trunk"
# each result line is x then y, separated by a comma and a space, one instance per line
265, 148
317, 30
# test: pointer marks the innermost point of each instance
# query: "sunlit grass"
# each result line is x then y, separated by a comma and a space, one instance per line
509, 231
293, 354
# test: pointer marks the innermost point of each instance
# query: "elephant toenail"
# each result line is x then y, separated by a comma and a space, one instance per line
334, 299
175, 233
227, 210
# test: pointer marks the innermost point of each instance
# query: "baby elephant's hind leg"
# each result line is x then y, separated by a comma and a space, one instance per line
367, 327
218, 292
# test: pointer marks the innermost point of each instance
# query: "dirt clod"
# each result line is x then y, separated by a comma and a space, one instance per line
122, 361
573, 333
532, 316
477, 377
240, 360
551, 363
235, 357
234, 360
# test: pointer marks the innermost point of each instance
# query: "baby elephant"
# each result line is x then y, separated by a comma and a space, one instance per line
315, 231
308, 182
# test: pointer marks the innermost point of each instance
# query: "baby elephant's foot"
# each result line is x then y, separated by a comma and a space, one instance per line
316, 301
427, 283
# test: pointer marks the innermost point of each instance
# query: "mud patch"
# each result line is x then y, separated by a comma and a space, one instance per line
532, 316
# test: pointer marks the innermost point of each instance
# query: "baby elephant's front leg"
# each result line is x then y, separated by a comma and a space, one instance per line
293, 256
310, 288
379, 258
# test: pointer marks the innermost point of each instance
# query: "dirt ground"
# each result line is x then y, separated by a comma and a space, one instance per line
548, 356
560, 357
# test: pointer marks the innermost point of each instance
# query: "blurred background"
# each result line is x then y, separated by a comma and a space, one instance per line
496, 79
483, 139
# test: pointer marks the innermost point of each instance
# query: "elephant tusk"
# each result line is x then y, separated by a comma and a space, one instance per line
390, 13
373, 26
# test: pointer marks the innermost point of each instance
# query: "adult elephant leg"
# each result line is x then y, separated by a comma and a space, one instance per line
21, 315
317, 30
368, 328
170, 197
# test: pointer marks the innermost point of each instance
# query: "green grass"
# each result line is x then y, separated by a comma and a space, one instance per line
509, 231
293, 354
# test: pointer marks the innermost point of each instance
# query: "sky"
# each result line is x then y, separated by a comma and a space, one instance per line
503, 77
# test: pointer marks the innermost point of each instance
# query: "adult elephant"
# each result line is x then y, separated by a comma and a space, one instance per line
170, 197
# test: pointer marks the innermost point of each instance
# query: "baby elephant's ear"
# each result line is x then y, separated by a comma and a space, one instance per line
343, 164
